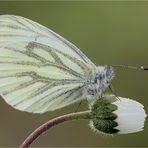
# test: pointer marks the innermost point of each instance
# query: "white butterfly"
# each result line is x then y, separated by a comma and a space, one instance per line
41, 71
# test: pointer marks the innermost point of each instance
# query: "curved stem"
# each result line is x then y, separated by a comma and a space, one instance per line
44, 127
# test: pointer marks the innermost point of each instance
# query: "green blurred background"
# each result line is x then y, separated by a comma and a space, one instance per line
108, 33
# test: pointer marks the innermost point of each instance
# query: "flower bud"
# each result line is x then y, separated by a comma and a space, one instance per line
113, 115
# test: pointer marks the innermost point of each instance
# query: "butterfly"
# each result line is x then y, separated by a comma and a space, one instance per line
41, 71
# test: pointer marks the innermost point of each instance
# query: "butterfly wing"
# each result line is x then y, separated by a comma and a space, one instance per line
17, 28
39, 70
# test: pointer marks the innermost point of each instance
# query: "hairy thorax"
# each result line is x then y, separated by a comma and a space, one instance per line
100, 82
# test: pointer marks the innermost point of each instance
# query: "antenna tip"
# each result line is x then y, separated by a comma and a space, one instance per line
143, 68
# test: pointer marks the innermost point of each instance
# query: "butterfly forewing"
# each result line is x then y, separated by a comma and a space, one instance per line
40, 70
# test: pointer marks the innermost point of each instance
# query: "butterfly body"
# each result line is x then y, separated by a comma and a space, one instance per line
41, 71
100, 82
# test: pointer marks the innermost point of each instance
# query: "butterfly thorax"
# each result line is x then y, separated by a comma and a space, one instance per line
100, 81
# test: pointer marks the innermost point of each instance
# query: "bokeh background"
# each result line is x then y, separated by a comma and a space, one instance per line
108, 33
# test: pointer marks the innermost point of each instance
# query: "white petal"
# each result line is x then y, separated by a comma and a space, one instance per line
130, 115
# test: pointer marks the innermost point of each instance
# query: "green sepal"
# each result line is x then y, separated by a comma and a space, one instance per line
102, 114
106, 126
102, 108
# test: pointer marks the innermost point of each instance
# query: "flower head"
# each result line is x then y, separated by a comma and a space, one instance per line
117, 115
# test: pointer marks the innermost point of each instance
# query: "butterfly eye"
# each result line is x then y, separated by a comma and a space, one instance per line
108, 82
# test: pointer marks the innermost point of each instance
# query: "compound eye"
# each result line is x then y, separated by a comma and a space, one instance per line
100, 77
91, 92
108, 82
96, 79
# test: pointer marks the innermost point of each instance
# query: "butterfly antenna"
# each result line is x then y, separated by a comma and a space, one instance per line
131, 67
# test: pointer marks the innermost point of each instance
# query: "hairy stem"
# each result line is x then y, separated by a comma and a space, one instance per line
51, 123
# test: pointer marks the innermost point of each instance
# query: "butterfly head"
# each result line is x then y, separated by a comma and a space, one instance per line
109, 72
101, 81
104, 75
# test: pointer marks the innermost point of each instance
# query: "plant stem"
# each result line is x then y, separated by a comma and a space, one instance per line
44, 127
